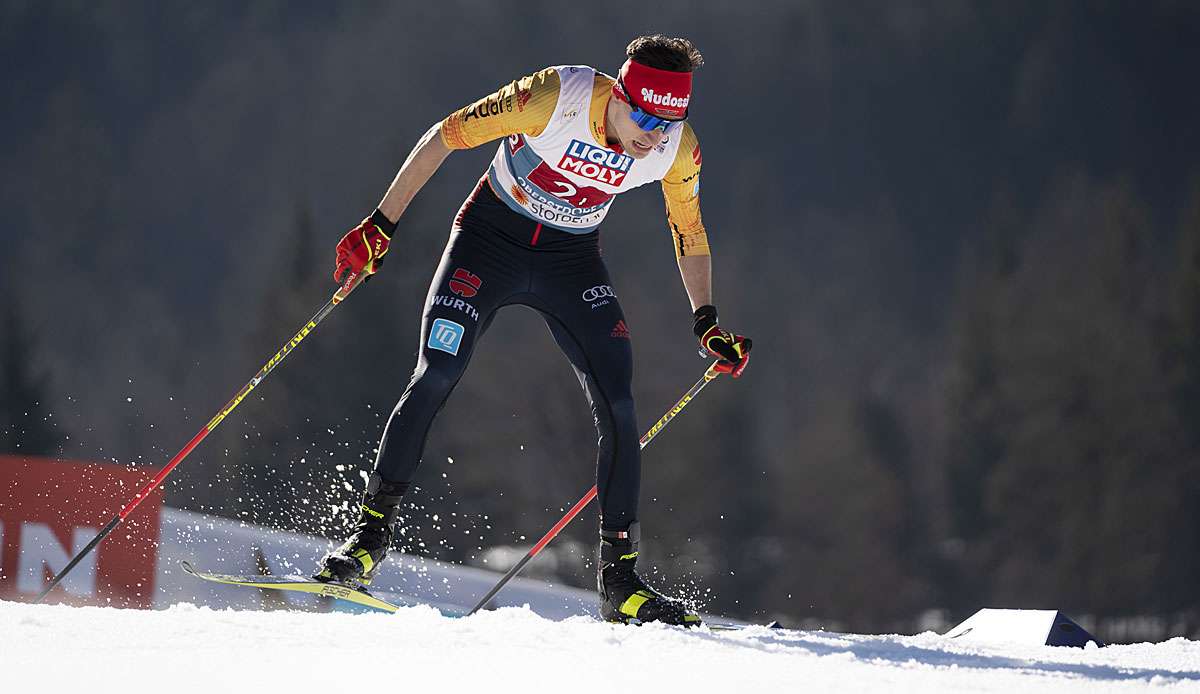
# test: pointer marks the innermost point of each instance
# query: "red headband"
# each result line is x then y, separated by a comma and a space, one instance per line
661, 92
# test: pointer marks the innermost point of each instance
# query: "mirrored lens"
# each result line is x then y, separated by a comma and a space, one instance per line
648, 122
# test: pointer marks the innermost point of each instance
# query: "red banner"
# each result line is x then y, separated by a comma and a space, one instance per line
50, 509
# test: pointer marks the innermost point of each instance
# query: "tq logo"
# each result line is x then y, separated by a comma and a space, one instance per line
445, 335
465, 284
597, 293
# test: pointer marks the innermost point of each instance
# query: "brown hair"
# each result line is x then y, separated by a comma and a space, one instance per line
665, 53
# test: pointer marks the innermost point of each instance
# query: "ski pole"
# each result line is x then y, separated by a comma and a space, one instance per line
709, 375
352, 281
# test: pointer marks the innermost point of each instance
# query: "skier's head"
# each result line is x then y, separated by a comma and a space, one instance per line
652, 92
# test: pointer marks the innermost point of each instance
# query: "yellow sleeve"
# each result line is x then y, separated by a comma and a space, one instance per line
521, 106
681, 190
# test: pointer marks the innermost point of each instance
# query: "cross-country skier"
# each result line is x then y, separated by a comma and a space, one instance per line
571, 138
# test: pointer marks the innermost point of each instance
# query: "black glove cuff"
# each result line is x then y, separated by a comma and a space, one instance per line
705, 318
380, 220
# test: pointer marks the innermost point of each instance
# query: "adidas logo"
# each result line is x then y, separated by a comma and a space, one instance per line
620, 330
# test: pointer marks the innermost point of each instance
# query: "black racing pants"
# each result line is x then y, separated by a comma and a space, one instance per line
496, 257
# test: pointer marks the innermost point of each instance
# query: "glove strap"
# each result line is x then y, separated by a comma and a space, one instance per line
386, 226
704, 318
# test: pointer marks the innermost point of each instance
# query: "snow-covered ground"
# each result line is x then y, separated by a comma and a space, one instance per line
191, 649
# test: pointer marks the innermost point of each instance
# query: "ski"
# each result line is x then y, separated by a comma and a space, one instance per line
739, 627
711, 626
358, 596
298, 584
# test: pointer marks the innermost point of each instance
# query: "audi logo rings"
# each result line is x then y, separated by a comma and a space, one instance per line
597, 293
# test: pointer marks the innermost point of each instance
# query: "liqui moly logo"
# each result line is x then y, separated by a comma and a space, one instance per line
668, 99
596, 163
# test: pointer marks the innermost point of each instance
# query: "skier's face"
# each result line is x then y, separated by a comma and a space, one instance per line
636, 142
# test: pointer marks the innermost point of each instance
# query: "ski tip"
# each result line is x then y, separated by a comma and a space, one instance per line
738, 627
183, 563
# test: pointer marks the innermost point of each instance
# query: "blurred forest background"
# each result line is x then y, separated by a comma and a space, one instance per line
965, 238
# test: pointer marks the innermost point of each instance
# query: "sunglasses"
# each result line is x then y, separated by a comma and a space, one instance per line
645, 120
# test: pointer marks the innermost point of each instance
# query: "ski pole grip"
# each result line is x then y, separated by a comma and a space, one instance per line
348, 285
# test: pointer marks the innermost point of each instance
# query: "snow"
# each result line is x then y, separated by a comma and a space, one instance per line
196, 649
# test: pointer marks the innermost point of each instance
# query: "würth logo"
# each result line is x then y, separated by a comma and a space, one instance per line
465, 284
620, 330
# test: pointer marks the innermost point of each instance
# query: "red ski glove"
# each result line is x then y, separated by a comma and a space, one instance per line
732, 350
362, 248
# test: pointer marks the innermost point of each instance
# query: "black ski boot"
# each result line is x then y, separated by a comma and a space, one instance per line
358, 560
624, 597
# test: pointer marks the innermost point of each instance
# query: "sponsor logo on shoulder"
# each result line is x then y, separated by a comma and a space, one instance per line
490, 106
446, 336
596, 163
620, 330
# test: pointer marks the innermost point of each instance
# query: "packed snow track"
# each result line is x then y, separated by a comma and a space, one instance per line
195, 649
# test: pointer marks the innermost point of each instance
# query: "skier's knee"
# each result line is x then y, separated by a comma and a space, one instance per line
431, 382
622, 413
